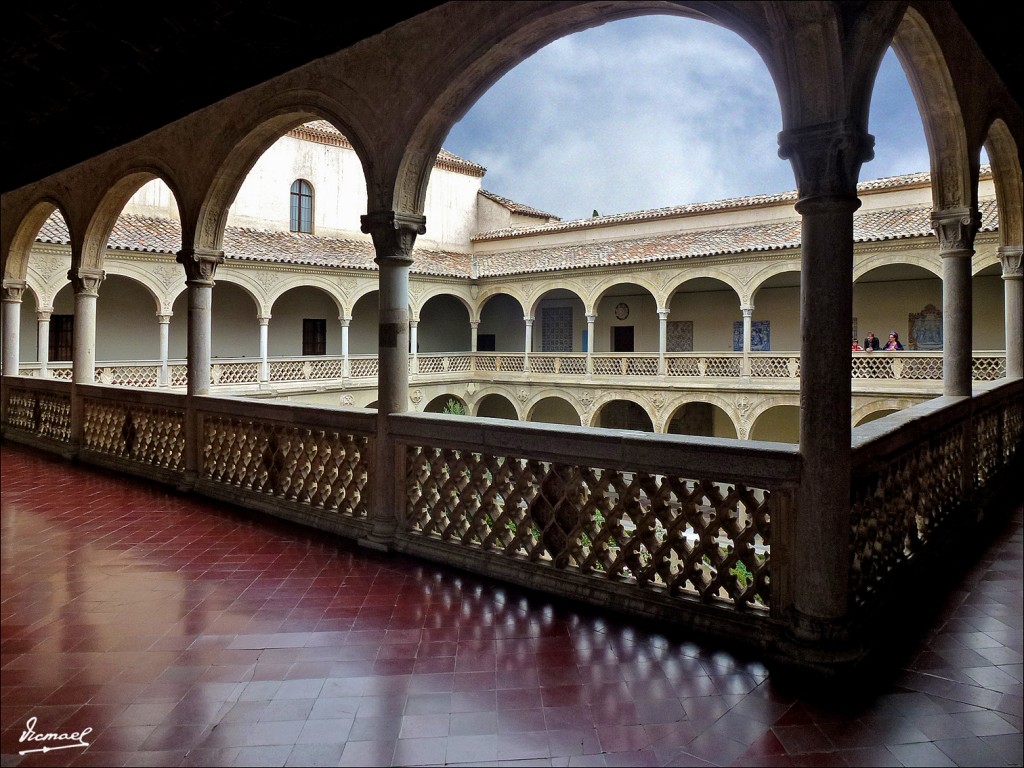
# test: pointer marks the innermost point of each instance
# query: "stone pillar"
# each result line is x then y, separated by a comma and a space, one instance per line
394, 235
86, 284
345, 322
528, 347
43, 341
1013, 291
12, 293
264, 322
474, 327
662, 340
955, 229
591, 323
748, 324
413, 343
200, 267
165, 344
826, 161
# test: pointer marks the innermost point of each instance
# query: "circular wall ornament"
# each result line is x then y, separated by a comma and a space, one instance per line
622, 310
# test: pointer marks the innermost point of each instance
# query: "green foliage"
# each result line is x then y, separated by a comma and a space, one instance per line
454, 407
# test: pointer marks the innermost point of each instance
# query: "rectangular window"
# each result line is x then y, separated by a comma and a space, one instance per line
486, 342
314, 337
62, 335
622, 338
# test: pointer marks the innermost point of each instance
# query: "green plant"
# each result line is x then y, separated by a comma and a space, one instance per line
454, 407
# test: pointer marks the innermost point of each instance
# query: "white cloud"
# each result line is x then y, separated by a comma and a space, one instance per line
651, 112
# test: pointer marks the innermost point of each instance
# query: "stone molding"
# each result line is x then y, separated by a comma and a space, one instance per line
200, 265
826, 159
394, 234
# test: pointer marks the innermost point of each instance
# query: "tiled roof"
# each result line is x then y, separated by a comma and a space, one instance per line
869, 226
515, 207
153, 235
752, 201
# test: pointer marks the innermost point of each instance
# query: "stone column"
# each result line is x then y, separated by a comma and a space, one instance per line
528, 346
264, 321
165, 344
591, 323
748, 324
662, 340
826, 161
200, 267
86, 284
955, 229
345, 322
394, 235
1013, 291
413, 343
43, 341
474, 328
12, 293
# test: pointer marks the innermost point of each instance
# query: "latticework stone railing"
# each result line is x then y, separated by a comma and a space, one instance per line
668, 521
313, 463
700, 365
877, 366
40, 410
306, 369
915, 475
141, 427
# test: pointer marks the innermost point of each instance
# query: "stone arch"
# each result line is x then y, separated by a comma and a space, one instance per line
625, 412
420, 295
1004, 155
501, 322
141, 272
535, 303
924, 63
925, 259
497, 395
704, 301
886, 404
248, 138
710, 400
312, 299
17, 255
319, 282
438, 331
559, 405
610, 282
490, 292
498, 41
785, 429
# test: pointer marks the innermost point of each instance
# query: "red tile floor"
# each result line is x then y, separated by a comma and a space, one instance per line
183, 632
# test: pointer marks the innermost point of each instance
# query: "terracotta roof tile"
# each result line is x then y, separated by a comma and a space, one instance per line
515, 207
152, 235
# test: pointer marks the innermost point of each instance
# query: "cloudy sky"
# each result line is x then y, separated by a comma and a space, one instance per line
650, 112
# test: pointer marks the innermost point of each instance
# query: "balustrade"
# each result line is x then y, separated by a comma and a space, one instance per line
141, 427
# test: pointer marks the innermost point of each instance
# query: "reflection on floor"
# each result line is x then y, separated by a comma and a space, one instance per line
186, 633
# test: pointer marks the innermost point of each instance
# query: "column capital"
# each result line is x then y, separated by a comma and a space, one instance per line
413, 322
86, 282
1010, 258
528, 319
956, 228
263, 319
13, 289
663, 313
394, 234
200, 264
474, 324
826, 161
43, 315
747, 310
345, 321
163, 319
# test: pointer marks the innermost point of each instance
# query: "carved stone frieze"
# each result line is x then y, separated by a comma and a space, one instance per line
200, 265
50, 266
826, 158
956, 228
1010, 259
394, 234
86, 281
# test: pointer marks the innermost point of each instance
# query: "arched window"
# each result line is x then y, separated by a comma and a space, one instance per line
302, 206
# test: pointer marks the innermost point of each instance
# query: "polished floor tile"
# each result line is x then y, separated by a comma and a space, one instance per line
185, 632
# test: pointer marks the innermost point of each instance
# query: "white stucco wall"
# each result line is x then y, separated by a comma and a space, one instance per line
502, 316
287, 314
712, 314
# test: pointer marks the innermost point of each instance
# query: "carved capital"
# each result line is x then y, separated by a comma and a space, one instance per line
592, 317
200, 264
263, 319
747, 311
394, 234
663, 314
955, 228
86, 282
826, 160
163, 319
43, 315
1010, 258
13, 290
